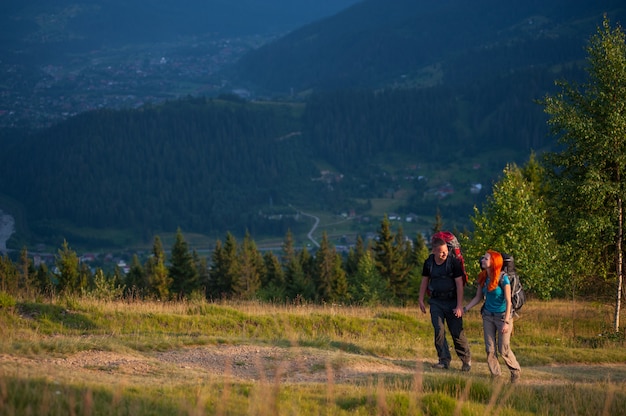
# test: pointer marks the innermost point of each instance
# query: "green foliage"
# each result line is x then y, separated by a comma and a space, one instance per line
587, 176
136, 282
156, 271
392, 256
514, 221
224, 270
368, 287
182, 269
106, 287
69, 276
331, 282
250, 269
9, 275
6, 301
196, 163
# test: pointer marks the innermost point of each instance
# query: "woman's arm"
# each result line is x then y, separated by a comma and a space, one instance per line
507, 314
475, 301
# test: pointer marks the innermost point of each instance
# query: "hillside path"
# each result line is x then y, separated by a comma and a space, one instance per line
262, 363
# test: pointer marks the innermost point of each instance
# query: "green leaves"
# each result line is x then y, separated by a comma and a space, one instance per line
587, 176
514, 221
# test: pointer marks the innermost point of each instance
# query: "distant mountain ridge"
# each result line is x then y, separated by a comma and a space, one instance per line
382, 43
36, 29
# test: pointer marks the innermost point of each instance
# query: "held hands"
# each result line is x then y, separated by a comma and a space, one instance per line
459, 312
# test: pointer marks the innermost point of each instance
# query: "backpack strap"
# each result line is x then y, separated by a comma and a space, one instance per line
431, 259
500, 281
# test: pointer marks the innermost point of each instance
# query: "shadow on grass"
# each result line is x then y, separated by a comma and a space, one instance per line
55, 317
597, 373
21, 396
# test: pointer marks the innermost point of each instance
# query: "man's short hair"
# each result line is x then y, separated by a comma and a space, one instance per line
438, 242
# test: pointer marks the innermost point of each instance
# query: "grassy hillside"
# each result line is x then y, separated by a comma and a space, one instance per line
88, 357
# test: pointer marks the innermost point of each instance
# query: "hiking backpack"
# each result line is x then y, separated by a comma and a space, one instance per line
518, 297
454, 249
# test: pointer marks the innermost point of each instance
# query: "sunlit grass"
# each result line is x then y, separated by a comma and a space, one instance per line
571, 365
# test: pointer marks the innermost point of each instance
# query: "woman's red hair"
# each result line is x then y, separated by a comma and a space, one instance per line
494, 271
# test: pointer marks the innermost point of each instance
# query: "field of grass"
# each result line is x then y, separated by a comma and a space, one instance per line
78, 356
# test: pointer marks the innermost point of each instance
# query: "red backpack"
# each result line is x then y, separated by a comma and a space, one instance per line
454, 249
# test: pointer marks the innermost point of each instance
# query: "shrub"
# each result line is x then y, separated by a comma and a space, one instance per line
7, 301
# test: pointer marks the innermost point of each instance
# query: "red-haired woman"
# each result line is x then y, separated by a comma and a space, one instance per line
494, 286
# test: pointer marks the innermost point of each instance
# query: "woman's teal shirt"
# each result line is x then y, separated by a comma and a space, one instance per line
494, 300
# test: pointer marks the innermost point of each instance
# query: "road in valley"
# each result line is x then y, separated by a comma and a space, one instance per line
315, 224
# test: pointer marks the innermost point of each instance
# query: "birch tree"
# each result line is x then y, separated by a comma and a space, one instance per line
587, 175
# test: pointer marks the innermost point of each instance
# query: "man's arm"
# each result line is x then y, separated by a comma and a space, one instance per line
423, 287
458, 311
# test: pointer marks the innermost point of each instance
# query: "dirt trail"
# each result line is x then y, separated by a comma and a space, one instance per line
273, 365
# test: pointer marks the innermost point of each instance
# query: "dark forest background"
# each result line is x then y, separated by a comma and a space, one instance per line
364, 94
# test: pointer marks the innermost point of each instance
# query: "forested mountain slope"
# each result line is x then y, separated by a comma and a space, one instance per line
198, 164
213, 166
393, 91
379, 43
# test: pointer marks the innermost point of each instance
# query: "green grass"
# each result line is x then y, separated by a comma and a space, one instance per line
85, 357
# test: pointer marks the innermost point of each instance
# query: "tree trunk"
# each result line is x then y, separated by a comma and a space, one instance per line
619, 262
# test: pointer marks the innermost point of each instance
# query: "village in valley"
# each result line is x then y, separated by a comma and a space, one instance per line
112, 78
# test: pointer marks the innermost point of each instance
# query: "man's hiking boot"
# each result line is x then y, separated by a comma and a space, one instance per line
466, 367
441, 366
515, 376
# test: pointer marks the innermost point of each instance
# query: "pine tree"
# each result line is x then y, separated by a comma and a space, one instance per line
307, 262
136, 281
288, 250
330, 280
419, 254
250, 269
369, 287
273, 285
43, 281
27, 273
354, 257
68, 274
9, 275
204, 276
438, 225
182, 269
85, 278
224, 267
390, 257
156, 271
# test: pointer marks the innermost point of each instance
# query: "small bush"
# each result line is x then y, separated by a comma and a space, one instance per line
7, 301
